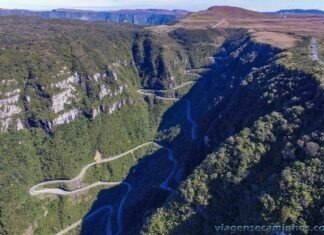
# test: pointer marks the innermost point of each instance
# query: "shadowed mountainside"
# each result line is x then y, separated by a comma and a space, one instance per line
69, 96
263, 146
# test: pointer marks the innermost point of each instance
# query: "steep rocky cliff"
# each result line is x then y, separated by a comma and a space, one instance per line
263, 129
78, 78
69, 90
139, 17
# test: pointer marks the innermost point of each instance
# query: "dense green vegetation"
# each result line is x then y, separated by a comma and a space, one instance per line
34, 55
299, 58
200, 44
31, 157
258, 109
117, 170
264, 157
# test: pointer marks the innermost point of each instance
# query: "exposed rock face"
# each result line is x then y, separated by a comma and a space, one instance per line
120, 89
140, 17
65, 92
111, 108
115, 76
68, 91
117, 106
112, 76
5, 123
10, 93
65, 118
96, 112
66, 96
104, 91
20, 125
65, 84
9, 82
96, 77
59, 100
11, 100
9, 110
27, 98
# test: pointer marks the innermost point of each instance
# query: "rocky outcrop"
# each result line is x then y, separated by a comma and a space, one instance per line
9, 109
9, 82
10, 122
67, 95
110, 109
120, 89
65, 118
96, 111
11, 100
114, 76
104, 91
20, 125
65, 84
96, 77
10, 93
61, 94
59, 100
111, 76
116, 106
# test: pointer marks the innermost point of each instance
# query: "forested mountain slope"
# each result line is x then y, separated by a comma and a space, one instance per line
264, 143
69, 97
74, 93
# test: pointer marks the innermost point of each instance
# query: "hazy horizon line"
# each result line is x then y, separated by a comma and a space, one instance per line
103, 8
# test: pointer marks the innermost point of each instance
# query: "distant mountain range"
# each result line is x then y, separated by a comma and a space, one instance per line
140, 16
301, 11
148, 17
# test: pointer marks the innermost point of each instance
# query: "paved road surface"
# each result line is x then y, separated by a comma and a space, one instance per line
314, 51
34, 191
56, 191
79, 222
188, 102
121, 208
164, 185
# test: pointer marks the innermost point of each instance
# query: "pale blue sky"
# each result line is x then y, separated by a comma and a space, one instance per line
193, 5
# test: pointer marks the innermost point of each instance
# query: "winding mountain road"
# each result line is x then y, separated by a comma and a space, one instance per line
79, 222
120, 210
34, 191
165, 184
191, 72
148, 91
314, 51
145, 92
39, 189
